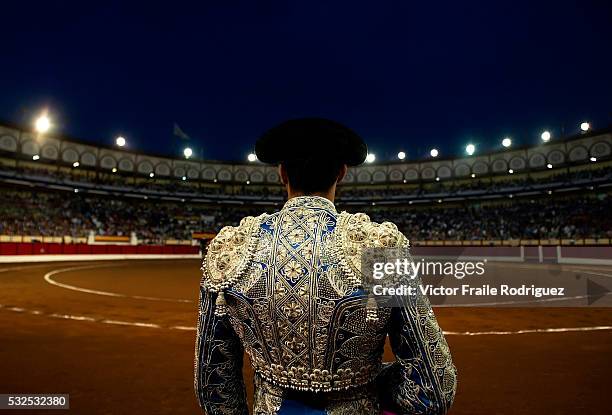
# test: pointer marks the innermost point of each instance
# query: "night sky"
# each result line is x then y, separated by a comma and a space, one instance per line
406, 75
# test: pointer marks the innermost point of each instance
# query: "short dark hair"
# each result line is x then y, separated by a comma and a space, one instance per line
312, 175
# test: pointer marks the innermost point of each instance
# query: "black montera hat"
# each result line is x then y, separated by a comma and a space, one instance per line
305, 138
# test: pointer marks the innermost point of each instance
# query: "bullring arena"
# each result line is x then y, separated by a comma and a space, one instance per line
99, 267
118, 337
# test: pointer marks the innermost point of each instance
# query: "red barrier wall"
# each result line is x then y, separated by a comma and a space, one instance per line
596, 252
39, 248
484, 251
503, 252
532, 253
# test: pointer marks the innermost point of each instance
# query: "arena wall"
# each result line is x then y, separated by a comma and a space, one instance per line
15, 252
580, 255
43, 252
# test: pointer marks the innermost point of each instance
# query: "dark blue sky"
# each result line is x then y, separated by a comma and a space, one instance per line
405, 76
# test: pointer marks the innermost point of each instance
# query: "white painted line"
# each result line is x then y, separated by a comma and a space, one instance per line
191, 328
48, 275
91, 319
50, 280
527, 331
174, 300
71, 317
183, 328
132, 323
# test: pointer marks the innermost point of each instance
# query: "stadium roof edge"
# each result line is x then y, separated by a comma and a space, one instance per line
68, 138
569, 138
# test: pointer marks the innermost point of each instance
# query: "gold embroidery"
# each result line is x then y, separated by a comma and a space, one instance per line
229, 254
362, 406
355, 233
268, 398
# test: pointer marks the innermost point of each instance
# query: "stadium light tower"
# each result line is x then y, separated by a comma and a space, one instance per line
434, 152
370, 158
470, 149
585, 126
545, 136
120, 141
401, 155
188, 152
507, 142
252, 157
42, 124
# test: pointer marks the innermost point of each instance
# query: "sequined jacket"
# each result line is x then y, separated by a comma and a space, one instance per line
287, 289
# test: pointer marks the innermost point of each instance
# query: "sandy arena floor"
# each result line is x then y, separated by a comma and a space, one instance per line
119, 338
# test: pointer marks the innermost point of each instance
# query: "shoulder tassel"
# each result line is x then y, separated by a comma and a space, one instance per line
220, 305
371, 310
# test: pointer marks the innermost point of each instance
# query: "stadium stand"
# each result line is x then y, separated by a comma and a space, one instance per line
67, 189
40, 212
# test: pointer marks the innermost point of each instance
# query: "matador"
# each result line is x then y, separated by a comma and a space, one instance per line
286, 288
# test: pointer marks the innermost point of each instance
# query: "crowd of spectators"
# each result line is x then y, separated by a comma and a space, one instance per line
72, 214
60, 213
543, 218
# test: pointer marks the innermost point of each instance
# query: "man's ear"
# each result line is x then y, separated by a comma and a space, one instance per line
282, 172
342, 173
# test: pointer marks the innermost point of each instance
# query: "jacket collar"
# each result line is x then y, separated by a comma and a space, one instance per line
316, 202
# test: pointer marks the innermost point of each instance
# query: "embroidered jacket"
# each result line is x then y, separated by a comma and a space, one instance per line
287, 289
